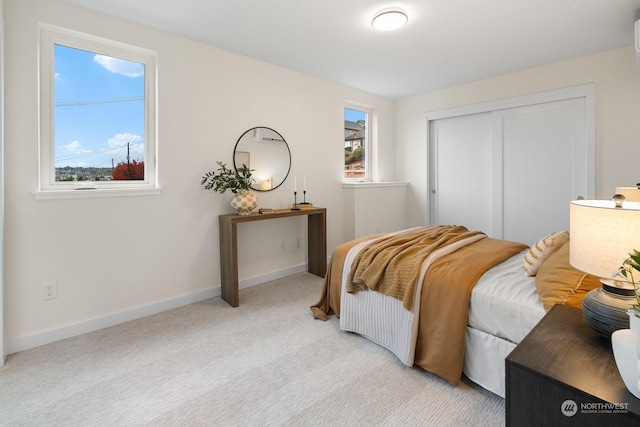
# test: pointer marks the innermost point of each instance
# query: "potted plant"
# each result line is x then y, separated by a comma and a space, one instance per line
624, 342
626, 270
223, 179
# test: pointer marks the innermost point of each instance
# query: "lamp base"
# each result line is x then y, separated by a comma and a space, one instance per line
605, 309
618, 287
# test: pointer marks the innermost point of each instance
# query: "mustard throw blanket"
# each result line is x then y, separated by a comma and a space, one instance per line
391, 265
444, 304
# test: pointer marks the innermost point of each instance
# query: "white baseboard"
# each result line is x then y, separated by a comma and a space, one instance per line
14, 345
267, 277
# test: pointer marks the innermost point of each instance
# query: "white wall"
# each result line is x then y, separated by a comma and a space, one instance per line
617, 87
115, 254
374, 208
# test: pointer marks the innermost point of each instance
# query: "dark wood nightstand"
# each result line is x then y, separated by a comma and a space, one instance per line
564, 366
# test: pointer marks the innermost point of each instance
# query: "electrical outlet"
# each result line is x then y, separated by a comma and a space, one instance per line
283, 245
297, 243
49, 290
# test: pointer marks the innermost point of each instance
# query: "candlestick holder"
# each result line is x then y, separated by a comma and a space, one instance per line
295, 202
304, 198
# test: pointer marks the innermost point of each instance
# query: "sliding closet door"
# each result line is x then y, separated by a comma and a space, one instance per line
511, 168
460, 171
544, 167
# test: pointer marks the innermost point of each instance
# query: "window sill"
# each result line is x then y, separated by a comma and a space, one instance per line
373, 184
94, 193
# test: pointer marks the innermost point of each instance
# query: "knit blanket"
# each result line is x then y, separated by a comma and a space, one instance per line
391, 265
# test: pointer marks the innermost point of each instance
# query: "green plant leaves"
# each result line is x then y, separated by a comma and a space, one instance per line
223, 179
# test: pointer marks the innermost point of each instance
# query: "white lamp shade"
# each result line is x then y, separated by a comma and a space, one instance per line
631, 194
602, 236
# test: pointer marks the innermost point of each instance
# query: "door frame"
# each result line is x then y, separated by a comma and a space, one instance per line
585, 91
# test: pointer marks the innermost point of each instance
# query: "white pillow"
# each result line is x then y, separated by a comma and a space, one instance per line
542, 250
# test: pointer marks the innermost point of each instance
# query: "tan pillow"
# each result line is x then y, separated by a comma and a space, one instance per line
557, 282
538, 253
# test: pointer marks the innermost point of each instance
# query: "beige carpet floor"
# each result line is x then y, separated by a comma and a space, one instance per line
265, 363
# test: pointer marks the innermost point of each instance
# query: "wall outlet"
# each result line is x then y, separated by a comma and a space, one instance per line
49, 290
283, 245
297, 243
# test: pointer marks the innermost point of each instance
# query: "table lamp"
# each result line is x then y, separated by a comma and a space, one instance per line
603, 233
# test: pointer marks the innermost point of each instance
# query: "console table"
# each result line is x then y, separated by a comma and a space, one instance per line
564, 365
316, 246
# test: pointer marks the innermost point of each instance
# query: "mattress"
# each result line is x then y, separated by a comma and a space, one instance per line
504, 302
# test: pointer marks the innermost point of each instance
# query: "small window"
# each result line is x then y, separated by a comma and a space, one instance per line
97, 105
356, 145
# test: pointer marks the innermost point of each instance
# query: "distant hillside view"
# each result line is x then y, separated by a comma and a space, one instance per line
70, 173
123, 171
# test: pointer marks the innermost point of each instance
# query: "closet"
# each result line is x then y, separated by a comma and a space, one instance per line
511, 167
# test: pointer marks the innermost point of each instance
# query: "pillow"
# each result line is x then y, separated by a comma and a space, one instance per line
538, 253
557, 282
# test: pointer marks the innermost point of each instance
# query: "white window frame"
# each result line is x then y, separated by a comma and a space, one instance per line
369, 139
49, 36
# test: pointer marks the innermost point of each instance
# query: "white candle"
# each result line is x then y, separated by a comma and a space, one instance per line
295, 183
304, 184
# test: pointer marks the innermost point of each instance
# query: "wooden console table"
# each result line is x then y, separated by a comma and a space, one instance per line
316, 246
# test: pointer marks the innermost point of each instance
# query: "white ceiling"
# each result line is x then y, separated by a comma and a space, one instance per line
445, 43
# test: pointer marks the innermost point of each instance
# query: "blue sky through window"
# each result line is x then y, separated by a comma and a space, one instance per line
99, 108
354, 115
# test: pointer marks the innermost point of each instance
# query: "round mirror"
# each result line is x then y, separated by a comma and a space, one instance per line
266, 152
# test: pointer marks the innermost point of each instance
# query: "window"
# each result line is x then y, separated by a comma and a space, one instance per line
97, 113
356, 145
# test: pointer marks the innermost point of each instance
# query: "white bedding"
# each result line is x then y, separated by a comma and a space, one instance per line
504, 302
504, 307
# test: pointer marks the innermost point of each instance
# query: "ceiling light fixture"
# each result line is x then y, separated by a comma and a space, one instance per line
389, 19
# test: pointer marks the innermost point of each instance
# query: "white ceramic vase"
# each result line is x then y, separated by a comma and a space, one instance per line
626, 351
244, 201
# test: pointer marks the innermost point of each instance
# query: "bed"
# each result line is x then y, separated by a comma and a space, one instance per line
470, 300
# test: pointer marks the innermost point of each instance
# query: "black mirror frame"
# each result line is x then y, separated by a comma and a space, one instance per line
288, 152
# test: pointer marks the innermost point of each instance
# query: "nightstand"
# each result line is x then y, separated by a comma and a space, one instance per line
564, 373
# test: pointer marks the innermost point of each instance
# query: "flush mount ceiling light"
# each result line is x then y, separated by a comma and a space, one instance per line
389, 19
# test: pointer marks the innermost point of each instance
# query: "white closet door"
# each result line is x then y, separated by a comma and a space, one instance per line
512, 171
460, 171
544, 167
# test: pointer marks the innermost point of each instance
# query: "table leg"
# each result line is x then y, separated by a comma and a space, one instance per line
317, 244
229, 263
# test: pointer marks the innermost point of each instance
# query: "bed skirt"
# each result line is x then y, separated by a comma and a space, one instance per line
484, 360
